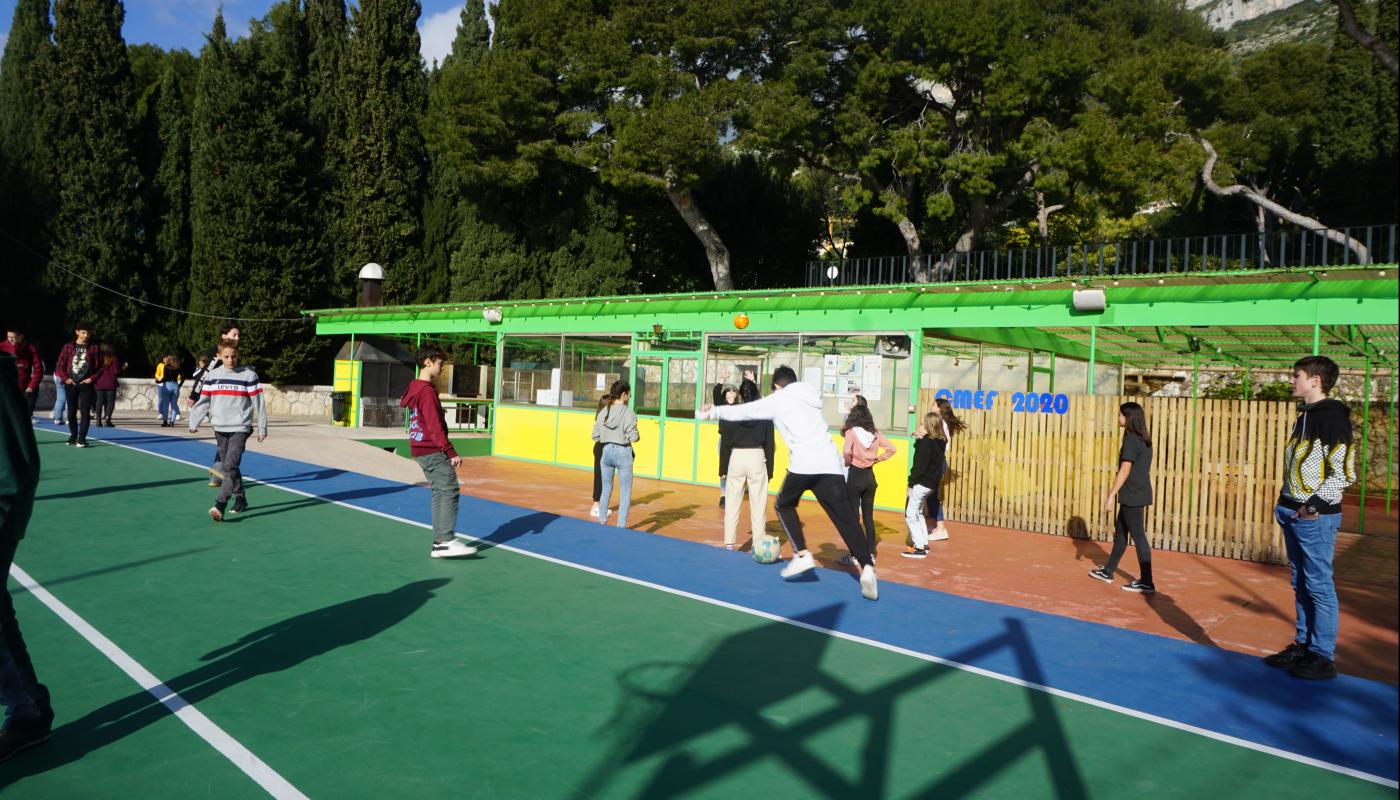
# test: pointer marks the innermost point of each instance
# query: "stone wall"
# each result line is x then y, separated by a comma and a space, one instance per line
139, 394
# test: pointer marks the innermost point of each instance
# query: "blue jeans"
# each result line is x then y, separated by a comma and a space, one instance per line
24, 699
169, 400
60, 401
1311, 544
616, 458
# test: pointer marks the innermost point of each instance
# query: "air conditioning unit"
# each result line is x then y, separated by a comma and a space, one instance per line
892, 346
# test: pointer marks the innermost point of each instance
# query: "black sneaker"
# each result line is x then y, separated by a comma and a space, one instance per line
240, 504
21, 736
1313, 667
1139, 587
915, 552
216, 511
1288, 656
721, 501
72, 440
1101, 574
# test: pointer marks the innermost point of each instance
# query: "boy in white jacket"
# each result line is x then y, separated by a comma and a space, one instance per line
814, 463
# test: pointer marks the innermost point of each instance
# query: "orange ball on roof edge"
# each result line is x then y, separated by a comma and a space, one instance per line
741, 321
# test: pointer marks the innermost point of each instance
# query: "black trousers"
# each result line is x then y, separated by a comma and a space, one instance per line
81, 397
106, 404
1131, 521
31, 398
830, 491
15, 652
860, 484
597, 471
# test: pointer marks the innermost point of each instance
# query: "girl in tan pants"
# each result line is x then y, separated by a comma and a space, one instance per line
747, 450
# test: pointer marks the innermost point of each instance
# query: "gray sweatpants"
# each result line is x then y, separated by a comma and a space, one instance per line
442, 476
231, 445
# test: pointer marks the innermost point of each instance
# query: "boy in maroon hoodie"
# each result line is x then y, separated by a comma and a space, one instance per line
76, 370
27, 364
427, 434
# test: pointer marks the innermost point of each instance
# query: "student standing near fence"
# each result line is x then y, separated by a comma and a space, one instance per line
168, 380
864, 447
76, 370
747, 450
924, 477
28, 366
616, 428
952, 426
106, 385
1317, 468
1131, 489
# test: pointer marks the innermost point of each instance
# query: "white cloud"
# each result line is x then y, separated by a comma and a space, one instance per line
436, 32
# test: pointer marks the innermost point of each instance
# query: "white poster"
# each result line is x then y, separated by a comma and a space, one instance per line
872, 376
602, 382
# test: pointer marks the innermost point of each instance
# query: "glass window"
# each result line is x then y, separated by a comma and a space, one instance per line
949, 365
646, 389
1004, 369
681, 378
729, 356
530, 372
874, 366
1070, 375
591, 364
1108, 379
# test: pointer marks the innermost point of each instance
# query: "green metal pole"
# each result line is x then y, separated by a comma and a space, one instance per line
1390, 440
1246, 383
916, 352
1317, 339
1093, 358
355, 382
1365, 447
1195, 425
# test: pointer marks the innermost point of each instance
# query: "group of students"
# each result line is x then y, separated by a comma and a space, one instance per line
84, 377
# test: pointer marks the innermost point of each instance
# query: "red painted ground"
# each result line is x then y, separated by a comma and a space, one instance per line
1215, 601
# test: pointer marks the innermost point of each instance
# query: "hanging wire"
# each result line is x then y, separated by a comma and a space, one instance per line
143, 302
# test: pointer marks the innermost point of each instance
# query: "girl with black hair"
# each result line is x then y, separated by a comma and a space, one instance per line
1132, 489
616, 429
952, 426
864, 447
603, 402
746, 455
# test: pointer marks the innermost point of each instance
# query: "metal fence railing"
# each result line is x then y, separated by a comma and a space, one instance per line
1287, 249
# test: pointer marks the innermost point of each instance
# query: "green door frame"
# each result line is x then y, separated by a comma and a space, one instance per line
664, 358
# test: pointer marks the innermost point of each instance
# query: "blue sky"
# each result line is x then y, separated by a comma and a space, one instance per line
183, 23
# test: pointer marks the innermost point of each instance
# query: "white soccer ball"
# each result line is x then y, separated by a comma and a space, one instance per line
766, 548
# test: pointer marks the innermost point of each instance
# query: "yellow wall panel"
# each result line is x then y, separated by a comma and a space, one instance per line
645, 448
707, 457
526, 433
892, 476
575, 446
678, 451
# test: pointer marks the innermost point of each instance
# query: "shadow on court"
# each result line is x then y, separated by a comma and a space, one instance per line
119, 487
275, 648
515, 528
750, 683
267, 509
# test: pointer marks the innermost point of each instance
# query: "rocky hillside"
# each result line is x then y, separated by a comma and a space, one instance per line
1253, 24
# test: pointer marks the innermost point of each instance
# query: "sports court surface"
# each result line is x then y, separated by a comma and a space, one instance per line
311, 648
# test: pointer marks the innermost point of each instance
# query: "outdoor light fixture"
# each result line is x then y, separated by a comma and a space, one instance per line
491, 315
656, 329
1089, 300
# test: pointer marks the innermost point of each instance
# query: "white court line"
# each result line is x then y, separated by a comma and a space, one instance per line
1131, 712
242, 757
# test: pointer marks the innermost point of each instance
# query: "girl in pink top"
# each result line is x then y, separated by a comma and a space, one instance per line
864, 448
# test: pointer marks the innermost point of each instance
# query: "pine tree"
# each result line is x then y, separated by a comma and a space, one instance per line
26, 198
88, 126
383, 173
254, 255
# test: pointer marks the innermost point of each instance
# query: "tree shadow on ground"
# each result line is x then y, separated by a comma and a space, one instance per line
275, 648
668, 516
749, 683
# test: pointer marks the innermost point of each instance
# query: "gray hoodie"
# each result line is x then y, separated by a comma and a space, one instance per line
616, 424
233, 399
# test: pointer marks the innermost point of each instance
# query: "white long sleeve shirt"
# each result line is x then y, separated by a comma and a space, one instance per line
796, 411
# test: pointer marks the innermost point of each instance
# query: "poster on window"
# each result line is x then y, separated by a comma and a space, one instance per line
841, 375
872, 376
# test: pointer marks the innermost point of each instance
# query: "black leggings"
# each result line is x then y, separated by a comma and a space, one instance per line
597, 471
860, 484
80, 400
830, 491
1130, 521
106, 404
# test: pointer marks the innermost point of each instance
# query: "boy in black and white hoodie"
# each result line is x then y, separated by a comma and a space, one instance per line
233, 400
814, 464
1317, 468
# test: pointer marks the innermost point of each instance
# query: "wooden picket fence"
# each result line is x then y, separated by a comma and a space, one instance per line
1049, 473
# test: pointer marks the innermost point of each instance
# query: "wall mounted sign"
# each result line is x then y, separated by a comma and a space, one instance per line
1027, 402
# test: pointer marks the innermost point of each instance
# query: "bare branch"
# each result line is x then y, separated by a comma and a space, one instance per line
1363, 256
1365, 38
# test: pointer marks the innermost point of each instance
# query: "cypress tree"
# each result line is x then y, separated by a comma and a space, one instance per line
170, 207
327, 36
97, 229
383, 172
253, 220
26, 198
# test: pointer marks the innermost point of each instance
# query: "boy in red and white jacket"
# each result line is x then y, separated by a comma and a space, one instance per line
428, 442
28, 365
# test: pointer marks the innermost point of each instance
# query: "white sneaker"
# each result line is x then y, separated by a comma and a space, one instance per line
799, 564
938, 535
603, 519
868, 588
452, 549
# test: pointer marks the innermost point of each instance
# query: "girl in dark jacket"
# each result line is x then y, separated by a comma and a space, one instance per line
105, 384
924, 477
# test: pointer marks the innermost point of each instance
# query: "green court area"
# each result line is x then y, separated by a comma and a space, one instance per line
327, 643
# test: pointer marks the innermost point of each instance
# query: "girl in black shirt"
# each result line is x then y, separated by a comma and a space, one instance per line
1132, 488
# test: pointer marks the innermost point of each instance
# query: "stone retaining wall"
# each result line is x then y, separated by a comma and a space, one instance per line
139, 394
